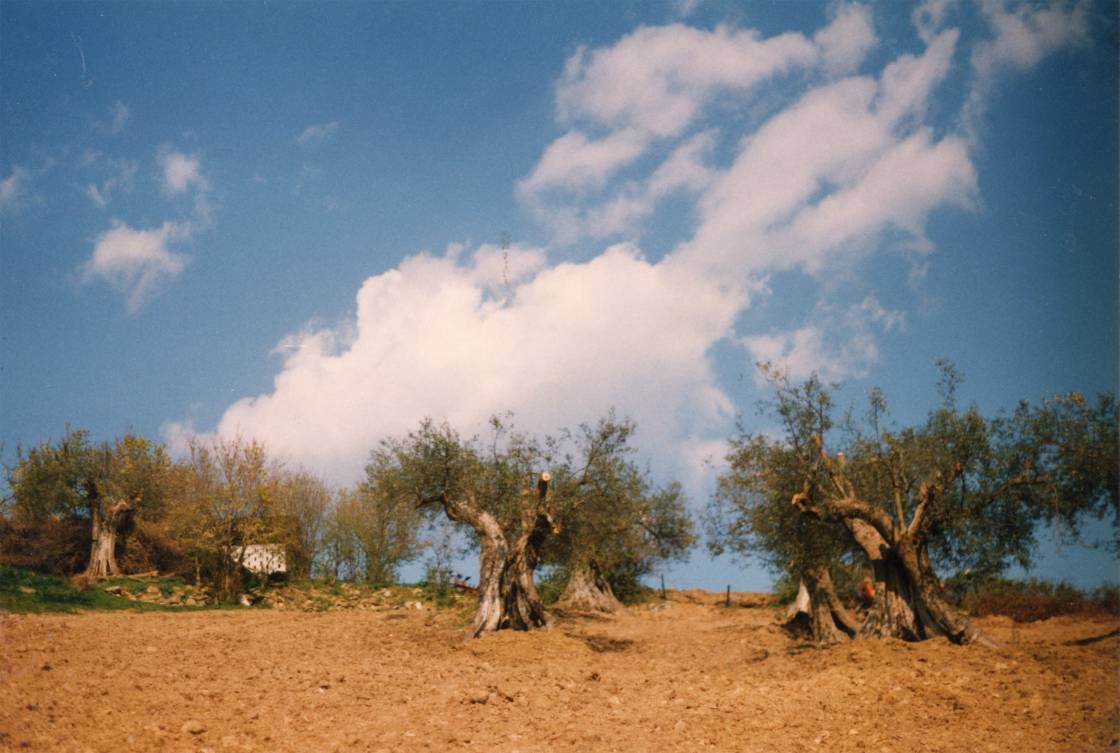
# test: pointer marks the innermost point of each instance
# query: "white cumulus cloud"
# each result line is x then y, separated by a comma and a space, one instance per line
828, 174
464, 336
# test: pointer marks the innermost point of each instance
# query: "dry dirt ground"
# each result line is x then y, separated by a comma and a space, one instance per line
686, 675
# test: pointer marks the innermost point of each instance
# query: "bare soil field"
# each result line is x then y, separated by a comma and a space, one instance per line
683, 675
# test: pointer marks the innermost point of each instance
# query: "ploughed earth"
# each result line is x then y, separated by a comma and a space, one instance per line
688, 674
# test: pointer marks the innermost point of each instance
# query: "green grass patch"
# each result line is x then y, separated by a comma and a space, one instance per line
27, 592
166, 584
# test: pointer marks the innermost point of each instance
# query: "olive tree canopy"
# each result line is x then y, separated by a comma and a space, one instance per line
957, 491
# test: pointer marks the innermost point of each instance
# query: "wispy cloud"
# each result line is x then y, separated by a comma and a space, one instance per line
1023, 34
317, 133
651, 87
121, 176
13, 189
835, 346
119, 114
180, 172
575, 162
136, 262
685, 8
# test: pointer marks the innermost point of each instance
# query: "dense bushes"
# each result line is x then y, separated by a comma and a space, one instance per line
53, 545
1033, 599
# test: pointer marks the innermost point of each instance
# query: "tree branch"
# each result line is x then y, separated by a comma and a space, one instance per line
848, 508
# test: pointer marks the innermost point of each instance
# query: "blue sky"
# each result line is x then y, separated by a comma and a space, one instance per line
286, 220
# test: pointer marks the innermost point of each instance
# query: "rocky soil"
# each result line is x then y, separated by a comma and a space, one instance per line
312, 597
684, 675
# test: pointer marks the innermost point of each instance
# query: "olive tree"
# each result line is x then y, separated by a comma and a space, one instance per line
614, 523
750, 513
958, 491
499, 490
107, 484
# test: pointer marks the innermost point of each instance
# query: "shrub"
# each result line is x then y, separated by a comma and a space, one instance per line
1033, 599
54, 546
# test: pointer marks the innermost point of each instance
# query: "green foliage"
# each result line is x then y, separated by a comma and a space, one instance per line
117, 485
551, 582
625, 580
22, 591
435, 463
71, 477
750, 514
372, 529
609, 512
437, 586
972, 490
165, 584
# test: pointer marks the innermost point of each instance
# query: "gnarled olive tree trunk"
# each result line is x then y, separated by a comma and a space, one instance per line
909, 602
818, 613
106, 519
588, 590
507, 596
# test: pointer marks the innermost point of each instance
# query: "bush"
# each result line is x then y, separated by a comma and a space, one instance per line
437, 586
551, 581
1032, 599
626, 583
149, 546
54, 546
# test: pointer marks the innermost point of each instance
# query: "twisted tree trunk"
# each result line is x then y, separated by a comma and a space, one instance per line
818, 613
909, 601
105, 523
507, 596
588, 590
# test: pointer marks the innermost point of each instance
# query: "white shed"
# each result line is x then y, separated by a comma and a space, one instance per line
262, 559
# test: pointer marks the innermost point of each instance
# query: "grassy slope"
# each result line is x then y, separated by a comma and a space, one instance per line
23, 591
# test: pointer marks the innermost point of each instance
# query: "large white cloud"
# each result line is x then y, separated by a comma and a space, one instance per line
465, 336
849, 161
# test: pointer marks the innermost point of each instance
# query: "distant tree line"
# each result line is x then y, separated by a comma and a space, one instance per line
576, 503
822, 498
